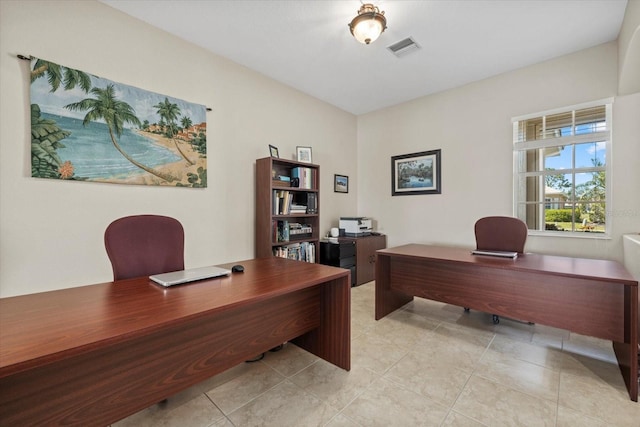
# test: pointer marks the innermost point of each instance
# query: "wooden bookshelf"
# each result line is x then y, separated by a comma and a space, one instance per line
279, 208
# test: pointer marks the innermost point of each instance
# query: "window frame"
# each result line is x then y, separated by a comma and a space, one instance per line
520, 171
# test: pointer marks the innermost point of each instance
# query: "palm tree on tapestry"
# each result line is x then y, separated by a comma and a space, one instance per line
57, 75
115, 113
185, 122
169, 113
45, 133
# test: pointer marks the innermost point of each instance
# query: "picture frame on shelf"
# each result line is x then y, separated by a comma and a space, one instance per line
273, 150
340, 183
416, 173
303, 154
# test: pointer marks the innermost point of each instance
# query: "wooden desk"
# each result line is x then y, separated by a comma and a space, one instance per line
95, 354
591, 297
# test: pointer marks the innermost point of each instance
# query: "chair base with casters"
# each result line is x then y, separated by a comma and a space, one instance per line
495, 318
261, 355
500, 233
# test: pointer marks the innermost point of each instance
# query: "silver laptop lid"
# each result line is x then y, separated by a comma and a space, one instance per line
189, 275
503, 254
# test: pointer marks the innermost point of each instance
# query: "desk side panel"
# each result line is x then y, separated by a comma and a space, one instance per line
627, 352
332, 339
387, 299
589, 307
108, 384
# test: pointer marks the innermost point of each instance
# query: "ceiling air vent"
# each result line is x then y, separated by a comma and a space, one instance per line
403, 47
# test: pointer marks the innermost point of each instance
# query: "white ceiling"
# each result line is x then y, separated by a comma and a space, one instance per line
307, 44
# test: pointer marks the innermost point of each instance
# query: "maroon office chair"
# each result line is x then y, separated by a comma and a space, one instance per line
142, 245
500, 233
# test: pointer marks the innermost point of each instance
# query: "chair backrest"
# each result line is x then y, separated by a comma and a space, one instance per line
143, 245
501, 233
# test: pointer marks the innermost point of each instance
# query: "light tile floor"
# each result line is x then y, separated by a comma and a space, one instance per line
427, 364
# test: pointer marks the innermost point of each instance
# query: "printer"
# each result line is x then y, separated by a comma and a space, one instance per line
355, 226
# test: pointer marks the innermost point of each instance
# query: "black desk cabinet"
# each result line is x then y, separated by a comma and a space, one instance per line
357, 254
341, 254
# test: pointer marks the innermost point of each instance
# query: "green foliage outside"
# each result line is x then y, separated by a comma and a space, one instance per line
561, 220
558, 215
591, 194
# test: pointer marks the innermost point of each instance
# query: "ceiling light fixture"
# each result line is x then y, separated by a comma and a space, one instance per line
369, 24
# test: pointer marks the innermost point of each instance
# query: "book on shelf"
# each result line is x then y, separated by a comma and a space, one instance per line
286, 202
302, 251
284, 231
281, 180
297, 229
298, 209
306, 176
275, 202
280, 231
281, 202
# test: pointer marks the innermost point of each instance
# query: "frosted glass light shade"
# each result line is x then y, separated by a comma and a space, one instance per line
369, 24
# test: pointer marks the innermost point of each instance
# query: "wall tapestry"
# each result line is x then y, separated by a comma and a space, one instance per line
87, 128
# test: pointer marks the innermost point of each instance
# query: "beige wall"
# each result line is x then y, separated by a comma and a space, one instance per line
51, 232
472, 127
629, 50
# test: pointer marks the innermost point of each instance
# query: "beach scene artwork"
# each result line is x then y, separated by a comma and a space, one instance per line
88, 128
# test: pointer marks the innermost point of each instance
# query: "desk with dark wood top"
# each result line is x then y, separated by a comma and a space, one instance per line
592, 297
96, 354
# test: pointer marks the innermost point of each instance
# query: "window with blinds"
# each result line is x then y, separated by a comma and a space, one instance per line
561, 168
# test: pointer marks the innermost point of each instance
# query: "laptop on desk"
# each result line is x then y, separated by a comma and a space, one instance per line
501, 254
189, 275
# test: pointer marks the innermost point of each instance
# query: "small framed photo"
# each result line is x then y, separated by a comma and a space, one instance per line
341, 184
303, 154
416, 173
273, 151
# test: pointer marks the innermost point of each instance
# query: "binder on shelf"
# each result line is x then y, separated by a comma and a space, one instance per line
312, 203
